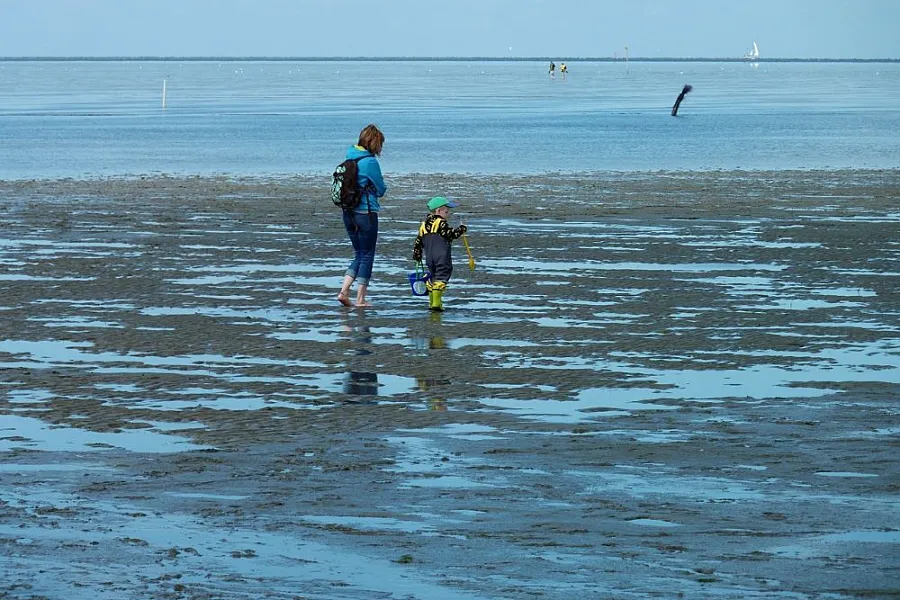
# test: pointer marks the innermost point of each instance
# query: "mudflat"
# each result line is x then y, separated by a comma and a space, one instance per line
651, 386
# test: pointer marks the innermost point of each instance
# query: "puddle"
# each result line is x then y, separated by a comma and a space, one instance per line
166, 426
218, 556
52, 353
118, 387
325, 336
455, 482
26, 396
742, 285
854, 324
76, 322
874, 433
341, 331
650, 483
301, 280
374, 384
865, 272
553, 283
258, 267
653, 523
361, 384
242, 401
224, 297
604, 318
589, 404
461, 431
497, 304
645, 436
423, 459
370, 523
510, 266
28, 245
868, 537
458, 343
798, 304
19, 277
202, 496
835, 543
53, 438
780, 295
242, 315
875, 362
42, 468
525, 386
356, 383
847, 292
751, 243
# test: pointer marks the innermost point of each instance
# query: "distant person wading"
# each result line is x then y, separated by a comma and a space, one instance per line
362, 222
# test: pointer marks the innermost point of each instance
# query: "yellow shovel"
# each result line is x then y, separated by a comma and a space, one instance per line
469, 252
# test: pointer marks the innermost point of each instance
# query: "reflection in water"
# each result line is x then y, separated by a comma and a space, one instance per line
360, 383
435, 342
426, 383
437, 404
361, 334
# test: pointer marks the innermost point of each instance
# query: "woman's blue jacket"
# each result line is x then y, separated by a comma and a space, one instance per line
370, 179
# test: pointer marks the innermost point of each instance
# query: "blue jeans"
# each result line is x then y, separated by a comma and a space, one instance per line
362, 228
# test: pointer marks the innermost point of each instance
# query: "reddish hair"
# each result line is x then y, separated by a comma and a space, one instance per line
371, 139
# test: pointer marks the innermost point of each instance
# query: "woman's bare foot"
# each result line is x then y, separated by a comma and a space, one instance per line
344, 300
362, 304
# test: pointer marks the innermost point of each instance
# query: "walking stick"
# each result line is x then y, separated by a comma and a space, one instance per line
469, 252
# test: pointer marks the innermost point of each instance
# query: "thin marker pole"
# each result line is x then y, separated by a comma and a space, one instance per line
164, 94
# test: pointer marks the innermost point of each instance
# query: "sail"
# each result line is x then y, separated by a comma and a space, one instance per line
752, 54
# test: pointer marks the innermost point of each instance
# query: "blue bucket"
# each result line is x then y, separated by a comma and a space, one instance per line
417, 281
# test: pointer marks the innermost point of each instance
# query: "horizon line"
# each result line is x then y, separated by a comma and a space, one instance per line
435, 59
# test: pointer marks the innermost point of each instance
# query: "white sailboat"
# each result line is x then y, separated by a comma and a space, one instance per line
752, 55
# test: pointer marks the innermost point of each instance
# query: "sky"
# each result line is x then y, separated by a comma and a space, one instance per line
461, 28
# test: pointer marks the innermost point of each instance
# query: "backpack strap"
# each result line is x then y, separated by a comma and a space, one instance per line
364, 191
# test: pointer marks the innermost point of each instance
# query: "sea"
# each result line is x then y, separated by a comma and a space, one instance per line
272, 118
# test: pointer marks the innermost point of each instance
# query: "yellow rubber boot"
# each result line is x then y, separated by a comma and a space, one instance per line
436, 297
437, 300
430, 289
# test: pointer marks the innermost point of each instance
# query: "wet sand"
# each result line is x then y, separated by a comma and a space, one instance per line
651, 386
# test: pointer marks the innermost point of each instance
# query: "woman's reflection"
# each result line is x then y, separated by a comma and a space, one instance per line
359, 383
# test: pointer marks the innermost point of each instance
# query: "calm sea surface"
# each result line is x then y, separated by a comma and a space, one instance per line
77, 119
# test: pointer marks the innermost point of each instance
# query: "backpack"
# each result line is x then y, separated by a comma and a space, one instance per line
345, 190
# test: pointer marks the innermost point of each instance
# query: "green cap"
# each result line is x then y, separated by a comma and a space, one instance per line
439, 201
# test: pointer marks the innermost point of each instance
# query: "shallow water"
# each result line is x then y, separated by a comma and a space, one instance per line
34, 434
284, 562
669, 397
77, 119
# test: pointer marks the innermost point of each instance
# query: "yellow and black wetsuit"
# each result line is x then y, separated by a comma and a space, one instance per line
433, 241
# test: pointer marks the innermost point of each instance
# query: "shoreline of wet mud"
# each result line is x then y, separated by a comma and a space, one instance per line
651, 385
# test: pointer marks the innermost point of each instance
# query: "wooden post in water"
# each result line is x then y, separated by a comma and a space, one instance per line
164, 94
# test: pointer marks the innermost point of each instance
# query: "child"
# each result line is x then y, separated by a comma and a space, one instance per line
435, 235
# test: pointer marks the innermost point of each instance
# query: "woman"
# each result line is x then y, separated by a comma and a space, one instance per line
362, 223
